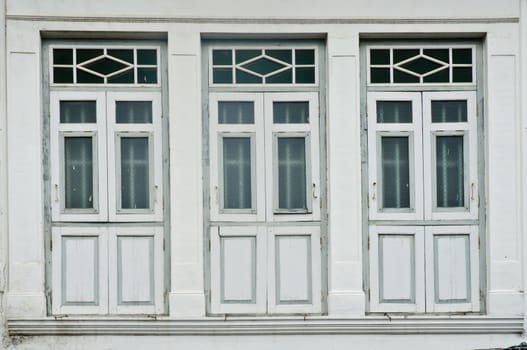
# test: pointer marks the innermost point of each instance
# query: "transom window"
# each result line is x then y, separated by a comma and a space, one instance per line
263, 66
421, 65
104, 65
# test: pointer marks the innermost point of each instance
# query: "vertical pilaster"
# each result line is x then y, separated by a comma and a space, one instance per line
186, 185
345, 292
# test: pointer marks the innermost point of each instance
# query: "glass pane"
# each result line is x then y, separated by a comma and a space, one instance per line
147, 75
123, 54
395, 167
462, 74
133, 112
450, 171
378, 56
62, 56
304, 56
292, 173
105, 66
443, 76
246, 78
78, 112
244, 55
147, 57
449, 111
236, 112
285, 77
462, 56
305, 75
438, 54
135, 193
222, 57
62, 75
403, 54
222, 75
402, 77
237, 173
78, 172
282, 55
394, 111
291, 112
126, 77
88, 54
88, 78
421, 65
379, 75
263, 66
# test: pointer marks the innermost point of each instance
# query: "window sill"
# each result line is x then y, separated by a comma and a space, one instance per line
270, 325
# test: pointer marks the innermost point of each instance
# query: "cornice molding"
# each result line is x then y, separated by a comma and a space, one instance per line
263, 20
264, 326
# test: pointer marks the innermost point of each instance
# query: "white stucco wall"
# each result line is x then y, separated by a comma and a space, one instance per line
3, 188
239, 9
342, 23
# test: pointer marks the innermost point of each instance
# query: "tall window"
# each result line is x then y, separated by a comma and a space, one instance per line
265, 187
106, 151
423, 180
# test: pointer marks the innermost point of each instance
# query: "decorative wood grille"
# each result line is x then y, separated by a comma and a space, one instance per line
421, 65
106, 66
292, 66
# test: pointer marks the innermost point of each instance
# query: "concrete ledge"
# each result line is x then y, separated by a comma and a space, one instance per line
264, 326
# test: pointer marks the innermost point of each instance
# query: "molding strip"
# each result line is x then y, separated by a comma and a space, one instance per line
263, 20
265, 326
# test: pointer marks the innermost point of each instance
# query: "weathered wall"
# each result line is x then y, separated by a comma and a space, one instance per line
342, 23
333, 342
3, 188
239, 9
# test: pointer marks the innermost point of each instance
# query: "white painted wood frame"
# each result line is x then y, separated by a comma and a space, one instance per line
254, 131
452, 269
79, 270
294, 269
468, 130
310, 132
58, 132
238, 269
413, 131
153, 132
136, 273
397, 269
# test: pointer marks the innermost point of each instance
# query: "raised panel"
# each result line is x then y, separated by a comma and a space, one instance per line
136, 270
238, 270
79, 270
451, 268
294, 269
452, 274
397, 269
80, 277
